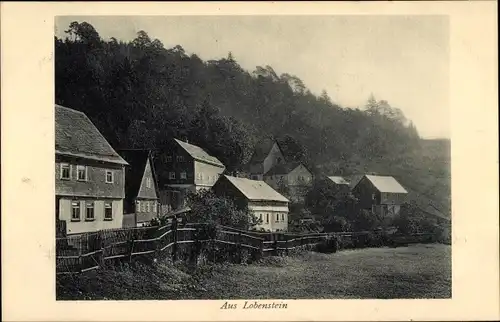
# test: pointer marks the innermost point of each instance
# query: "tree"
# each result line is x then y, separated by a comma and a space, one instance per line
207, 207
83, 33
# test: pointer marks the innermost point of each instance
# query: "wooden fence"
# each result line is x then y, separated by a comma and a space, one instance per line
80, 253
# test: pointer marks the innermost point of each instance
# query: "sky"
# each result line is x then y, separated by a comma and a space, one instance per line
401, 59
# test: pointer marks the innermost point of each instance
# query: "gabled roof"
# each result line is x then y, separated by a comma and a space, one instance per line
137, 160
386, 184
199, 154
284, 168
338, 180
255, 190
262, 149
76, 135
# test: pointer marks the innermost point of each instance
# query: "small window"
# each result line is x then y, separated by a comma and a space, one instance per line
147, 206
168, 158
180, 158
171, 175
183, 175
109, 176
75, 211
200, 176
108, 210
65, 171
81, 171
148, 182
267, 218
89, 210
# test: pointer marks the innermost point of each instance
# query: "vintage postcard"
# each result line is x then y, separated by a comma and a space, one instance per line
264, 161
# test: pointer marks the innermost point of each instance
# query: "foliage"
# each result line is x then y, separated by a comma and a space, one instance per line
139, 94
207, 207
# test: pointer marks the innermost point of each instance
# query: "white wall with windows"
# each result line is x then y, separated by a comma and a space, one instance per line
86, 215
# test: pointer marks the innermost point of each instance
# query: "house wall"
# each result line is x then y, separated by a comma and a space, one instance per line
364, 191
298, 181
146, 192
392, 198
82, 225
164, 165
274, 217
95, 185
206, 174
274, 157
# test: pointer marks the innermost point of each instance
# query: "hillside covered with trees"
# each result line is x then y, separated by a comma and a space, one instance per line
140, 94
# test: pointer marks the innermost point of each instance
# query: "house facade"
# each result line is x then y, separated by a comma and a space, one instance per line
181, 168
267, 154
141, 202
291, 179
89, 175
258, 197
383, 195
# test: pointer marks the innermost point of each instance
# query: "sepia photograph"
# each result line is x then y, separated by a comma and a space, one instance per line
269, 161
252, 157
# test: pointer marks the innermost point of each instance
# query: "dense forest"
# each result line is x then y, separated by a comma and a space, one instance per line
140, 94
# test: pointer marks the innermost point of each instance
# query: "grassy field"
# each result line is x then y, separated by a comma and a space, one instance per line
418, 271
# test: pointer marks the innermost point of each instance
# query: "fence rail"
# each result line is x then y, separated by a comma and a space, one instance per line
80, 253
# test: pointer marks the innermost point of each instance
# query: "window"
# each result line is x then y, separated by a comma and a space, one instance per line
260, 217
75, 211
180, 158
147, 206
277, 218
148, 182
109, 176
255, 178
171, 175
143, 208
81, 171
138, 208
200, 176
65, 171
155, 205
282, 217
183, 175
89, 210
108, 210
168, 158
267, 218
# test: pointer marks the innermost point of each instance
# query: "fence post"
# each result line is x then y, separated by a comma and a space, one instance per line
275, 244
174, 235
261, 252
286, 244
101, 240
240, 259
80, 258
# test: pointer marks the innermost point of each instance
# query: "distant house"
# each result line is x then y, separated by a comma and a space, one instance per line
340, 184
266, 155
141, 194
90, 175
383, 195
293, 177
265, 202
183, 167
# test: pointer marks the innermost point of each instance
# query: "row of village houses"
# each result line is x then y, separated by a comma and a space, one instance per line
98, 187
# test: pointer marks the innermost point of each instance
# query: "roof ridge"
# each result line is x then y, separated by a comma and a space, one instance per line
70, 109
